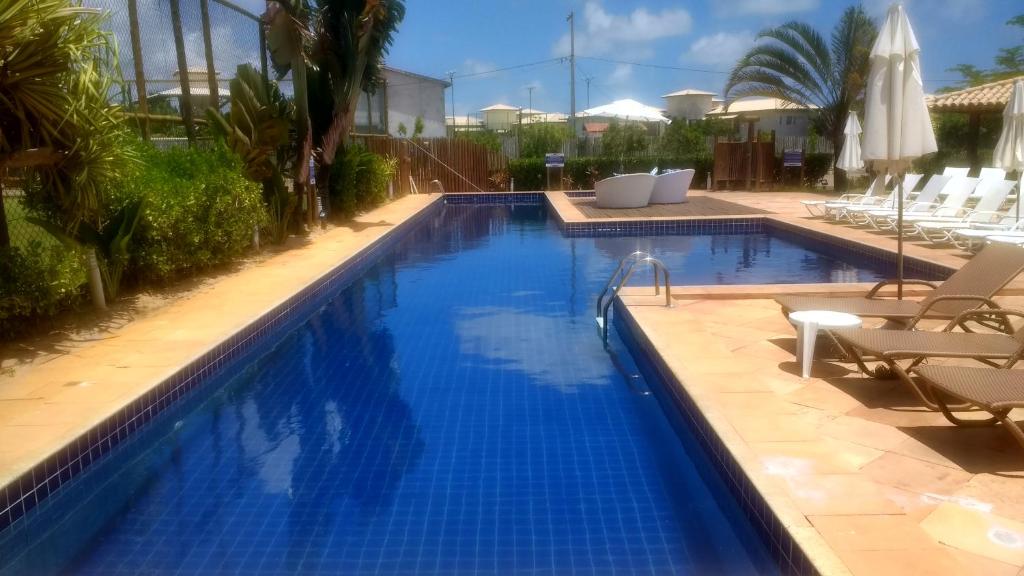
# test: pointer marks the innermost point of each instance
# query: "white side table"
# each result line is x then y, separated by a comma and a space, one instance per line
807, 323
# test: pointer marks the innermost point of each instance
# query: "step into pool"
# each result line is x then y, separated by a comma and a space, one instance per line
450, 410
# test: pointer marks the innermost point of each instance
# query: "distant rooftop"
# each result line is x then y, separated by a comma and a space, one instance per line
688, 92
991, 97
496, 107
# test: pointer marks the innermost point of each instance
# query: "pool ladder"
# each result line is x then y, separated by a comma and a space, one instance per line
618, 280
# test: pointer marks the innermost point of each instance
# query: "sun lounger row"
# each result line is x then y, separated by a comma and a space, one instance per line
978, 329
938, 213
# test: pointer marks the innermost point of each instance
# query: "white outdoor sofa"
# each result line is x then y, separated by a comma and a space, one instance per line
672, 187
626, 191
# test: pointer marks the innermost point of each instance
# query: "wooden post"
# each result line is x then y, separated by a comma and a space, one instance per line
263, 50
211, 68
140, 73
750, 151
5, 236
973, 130
183, 78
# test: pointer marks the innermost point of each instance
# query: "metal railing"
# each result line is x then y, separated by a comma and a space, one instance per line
619, 279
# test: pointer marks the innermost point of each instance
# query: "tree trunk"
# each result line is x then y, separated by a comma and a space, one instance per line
95, 280
5, 236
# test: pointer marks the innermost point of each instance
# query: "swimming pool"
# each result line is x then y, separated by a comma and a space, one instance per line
451, 410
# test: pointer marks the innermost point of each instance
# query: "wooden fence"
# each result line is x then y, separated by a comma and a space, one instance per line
458, 164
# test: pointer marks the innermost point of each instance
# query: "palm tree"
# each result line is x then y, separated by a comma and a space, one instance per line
351, 39
288, 33
57, 70
795, 63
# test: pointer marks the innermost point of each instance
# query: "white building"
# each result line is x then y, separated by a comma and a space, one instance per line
689, 104
408, 96
784, 117
500, 117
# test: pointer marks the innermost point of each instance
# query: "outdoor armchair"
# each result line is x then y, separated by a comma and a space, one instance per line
672, 187
626, 191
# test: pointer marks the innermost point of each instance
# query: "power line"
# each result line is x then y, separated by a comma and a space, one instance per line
658, 66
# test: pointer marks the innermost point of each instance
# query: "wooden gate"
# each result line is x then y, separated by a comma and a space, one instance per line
746, 164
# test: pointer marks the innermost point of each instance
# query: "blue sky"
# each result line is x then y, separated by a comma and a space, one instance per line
469, 37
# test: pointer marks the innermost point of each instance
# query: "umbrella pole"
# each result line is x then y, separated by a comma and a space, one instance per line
899, 236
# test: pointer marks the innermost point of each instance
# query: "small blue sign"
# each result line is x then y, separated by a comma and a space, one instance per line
554, 160
792, 158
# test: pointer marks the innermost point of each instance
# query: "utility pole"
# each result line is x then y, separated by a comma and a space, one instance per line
588, 79
451, 80
572, 74
530, 108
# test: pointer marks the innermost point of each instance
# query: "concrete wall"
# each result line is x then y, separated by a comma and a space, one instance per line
784, 122
500, 120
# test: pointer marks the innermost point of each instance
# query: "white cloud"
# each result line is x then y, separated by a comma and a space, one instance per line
763, 7
720, 50
621, 74
471, 66
599, 32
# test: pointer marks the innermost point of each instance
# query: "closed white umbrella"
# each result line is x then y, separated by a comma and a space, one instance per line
1009, 152
897, 127
850, 157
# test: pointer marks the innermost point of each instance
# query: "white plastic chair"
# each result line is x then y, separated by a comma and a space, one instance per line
672, 187
626, 191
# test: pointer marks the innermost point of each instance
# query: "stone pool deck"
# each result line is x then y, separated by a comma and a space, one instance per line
866, 482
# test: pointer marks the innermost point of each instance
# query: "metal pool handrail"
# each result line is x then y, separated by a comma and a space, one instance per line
625, 272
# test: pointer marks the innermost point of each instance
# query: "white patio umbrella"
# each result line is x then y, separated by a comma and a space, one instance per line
850, 157
897, 127
1009, 152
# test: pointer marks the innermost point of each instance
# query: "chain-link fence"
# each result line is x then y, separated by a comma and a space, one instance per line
19, 230
177, 58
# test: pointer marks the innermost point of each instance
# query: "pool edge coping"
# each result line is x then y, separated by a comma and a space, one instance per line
722, 445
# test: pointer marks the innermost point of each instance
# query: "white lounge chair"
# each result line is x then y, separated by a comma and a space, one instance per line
957, 192
972, 239
672, 187
992, 193
955, 171
626, 191
854, 212
875, 189
876, 216
996, 173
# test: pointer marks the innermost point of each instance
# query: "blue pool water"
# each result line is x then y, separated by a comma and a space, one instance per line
451, 411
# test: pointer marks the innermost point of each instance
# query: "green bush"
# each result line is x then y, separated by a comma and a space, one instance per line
540, 139
359, 181
530, 174
37, 281
815, 167
199, 211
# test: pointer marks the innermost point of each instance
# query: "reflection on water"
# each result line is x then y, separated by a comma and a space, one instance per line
522, 341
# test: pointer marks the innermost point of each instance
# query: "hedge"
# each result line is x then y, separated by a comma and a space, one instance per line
530, 174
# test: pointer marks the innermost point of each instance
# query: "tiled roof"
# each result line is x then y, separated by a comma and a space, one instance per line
991, 97
689, 92
758, 104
